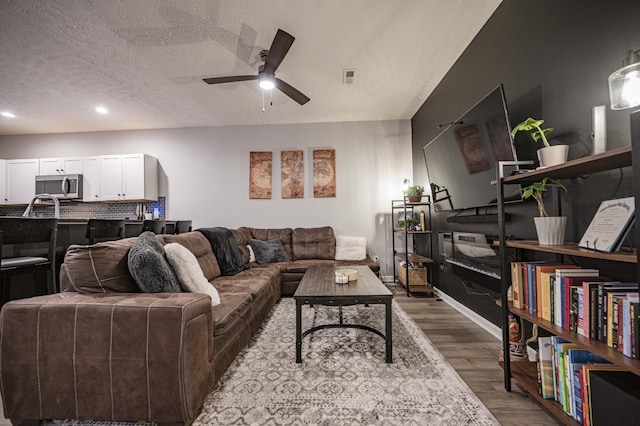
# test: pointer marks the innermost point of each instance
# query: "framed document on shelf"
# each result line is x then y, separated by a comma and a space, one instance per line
610, 225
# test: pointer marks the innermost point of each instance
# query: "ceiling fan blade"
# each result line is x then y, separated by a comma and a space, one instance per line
216, 80
279, 47
291, 92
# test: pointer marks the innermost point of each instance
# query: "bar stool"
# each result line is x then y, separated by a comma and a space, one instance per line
104, 230
155, 226
33, 242
182, 226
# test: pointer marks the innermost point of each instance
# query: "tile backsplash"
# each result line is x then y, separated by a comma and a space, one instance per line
80, 210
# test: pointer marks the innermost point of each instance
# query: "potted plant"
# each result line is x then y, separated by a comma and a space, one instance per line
550, 229
414, 193
548, 155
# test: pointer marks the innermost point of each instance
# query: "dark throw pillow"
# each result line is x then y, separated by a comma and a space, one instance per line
149, 266
269, 251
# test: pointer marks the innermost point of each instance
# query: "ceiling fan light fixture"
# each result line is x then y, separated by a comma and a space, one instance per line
267, 81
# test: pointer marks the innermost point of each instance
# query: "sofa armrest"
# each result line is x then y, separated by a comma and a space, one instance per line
119, 356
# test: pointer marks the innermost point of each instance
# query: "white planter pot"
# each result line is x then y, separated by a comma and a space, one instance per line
550, 230
552, 155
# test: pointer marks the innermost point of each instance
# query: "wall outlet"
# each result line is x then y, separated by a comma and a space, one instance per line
376, 258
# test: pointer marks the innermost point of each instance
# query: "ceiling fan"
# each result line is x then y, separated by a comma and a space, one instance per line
266, 73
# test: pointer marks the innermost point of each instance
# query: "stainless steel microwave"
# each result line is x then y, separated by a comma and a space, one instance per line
66, 187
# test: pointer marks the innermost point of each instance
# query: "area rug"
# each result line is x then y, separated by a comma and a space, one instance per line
343, 379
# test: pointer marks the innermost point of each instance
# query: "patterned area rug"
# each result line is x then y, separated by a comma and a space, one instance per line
343, 378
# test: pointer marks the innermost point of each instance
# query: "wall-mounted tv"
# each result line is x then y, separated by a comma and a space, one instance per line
463, 158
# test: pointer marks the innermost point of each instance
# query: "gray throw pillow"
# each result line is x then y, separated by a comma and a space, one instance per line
149, 266
269, 251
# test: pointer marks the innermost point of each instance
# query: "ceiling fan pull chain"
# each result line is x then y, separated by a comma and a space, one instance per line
271, 97
263, 100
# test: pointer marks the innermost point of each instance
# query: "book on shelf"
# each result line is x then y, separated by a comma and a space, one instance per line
545, 366
563, 374
588, 319
576, 359
610, 225
516, 285
603, 306
586, 388
543, 286
555, 342
562, 293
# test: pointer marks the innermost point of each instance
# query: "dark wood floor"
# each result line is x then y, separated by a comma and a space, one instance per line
473, 352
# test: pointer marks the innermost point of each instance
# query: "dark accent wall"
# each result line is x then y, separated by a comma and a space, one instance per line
553, 58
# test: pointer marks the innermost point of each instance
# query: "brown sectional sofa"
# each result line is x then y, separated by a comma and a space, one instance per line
102, 350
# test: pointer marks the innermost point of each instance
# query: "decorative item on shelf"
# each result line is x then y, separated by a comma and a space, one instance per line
550, 229
414, 193
517, 348
624, 84
548, 155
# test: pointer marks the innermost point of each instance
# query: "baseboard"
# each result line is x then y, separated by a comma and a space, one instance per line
488, 326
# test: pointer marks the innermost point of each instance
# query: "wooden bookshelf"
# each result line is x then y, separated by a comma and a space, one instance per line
572, 249
598, 348
525, 374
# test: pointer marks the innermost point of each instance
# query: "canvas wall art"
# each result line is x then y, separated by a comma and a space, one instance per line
324, 173
260, 165
292, 173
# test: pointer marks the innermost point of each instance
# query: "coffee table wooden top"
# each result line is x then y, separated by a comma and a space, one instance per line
319, 281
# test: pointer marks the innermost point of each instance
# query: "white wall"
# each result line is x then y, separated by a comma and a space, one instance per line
205, 172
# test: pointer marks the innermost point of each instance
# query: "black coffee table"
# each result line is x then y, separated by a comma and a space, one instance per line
318, 287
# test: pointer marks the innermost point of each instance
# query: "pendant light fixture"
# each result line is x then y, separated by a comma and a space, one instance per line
624, 84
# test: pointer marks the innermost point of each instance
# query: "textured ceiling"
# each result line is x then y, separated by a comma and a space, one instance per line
144, 60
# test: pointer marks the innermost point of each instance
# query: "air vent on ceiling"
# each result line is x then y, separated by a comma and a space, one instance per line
347, 75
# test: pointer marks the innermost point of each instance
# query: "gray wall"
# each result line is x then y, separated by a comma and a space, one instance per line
553, 58
205, 172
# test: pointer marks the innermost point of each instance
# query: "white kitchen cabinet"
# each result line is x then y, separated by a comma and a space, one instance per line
111, 178
91, 178
59, 166
128, 177
21, 180
3, 182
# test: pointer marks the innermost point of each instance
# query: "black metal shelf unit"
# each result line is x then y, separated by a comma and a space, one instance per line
403, 213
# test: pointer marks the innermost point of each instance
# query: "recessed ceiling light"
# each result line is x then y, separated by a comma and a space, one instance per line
7, 114
102, 110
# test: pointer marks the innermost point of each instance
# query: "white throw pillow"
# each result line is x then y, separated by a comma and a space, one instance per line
351, 248
188, 271
252, 255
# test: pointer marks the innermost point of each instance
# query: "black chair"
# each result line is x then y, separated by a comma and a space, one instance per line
27, 245
182, 226
104, 230
155, 226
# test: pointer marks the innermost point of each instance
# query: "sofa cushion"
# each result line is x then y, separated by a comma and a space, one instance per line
282, 234
255, 281
314, 243
200, 247
188, 271
149, 266
98, 268
231, 307
350, 248
242, 236
268, 251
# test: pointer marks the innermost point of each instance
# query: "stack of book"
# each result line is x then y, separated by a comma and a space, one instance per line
573, 376
580, 300
565, 372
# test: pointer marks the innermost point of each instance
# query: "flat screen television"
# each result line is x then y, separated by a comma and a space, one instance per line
463, 158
